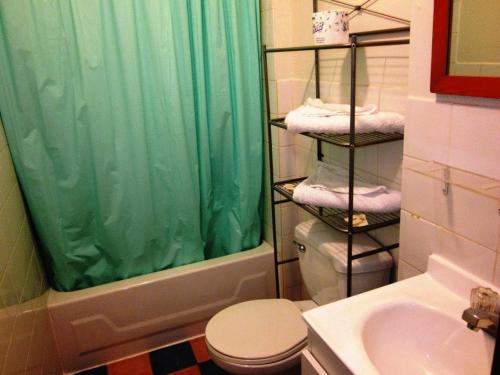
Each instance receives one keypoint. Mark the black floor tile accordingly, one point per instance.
(95, 371)
(210, 368)
(172, 358)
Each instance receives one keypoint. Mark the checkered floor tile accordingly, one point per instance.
(187, 358)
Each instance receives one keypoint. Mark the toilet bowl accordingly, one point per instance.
(267, 336)
(259, 336)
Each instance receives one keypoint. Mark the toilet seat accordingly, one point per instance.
(257, 333)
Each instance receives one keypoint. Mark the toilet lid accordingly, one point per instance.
(257, 329)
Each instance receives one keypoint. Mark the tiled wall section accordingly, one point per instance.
(382, 80)
(26, 344)
(462, 132)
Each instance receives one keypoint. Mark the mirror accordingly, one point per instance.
(466, 48)
(474, 38)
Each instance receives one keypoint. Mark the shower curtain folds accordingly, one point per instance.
(135, 129)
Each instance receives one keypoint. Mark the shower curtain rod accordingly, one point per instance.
(360, 8)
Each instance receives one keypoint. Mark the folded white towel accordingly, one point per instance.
(334, 109)
(318, 117)
(336, 180)
(328, 187)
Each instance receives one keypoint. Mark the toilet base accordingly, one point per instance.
(288, 366)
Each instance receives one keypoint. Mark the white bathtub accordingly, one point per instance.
(108, 322)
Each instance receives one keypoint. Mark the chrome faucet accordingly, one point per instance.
(483, 313)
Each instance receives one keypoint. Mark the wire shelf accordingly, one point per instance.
(337, 218)
(342, 140)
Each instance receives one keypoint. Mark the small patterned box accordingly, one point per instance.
(330, 27)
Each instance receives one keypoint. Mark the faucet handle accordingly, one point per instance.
(483, 298)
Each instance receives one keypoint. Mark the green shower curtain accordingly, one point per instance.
(135, 128)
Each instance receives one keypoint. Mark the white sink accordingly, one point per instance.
(410, 327)
(411, 339)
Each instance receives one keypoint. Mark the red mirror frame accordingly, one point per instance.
(441, 82)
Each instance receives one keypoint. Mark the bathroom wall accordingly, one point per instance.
(382, 80)
(459, 131)
(26, 343)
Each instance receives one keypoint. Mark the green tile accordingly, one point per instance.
(3, 140)
(31, 284)
(21, 257)
(7, 175)
(8, 292)
(12, 214)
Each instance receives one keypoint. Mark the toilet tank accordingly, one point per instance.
(323, 262)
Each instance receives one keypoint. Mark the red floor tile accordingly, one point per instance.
(194, 370)
(139, 365)
(200, 349)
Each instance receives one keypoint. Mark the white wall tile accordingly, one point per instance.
(469, 214)
(286, 162)
(465, 253)
(305, 160)
(282, 21)
(336, 155)
(366, 159)
(396, 68)
(303, 89)
(405, 271)
(427, 130)
(266, 21)
(307, 143)
(288, 218)
(417, 193)
(291, 274)
(420, 49)
(282, 137)
(288, 249)
(416, 240)
(394, 99)
(273, 104)
(390, 161)
(475, 134)
(285, 96)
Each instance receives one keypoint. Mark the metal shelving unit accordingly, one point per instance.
(341, 220)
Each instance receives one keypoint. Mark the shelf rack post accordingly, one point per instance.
(271, 170)
(319, 151)
(352, 149)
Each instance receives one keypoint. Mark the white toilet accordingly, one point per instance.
(267, 336)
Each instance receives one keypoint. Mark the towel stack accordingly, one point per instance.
(329, 187)
(319, 117)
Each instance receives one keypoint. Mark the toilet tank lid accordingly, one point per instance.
(318, 236)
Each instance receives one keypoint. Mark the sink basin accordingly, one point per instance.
(410, 327)
(411, 339)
